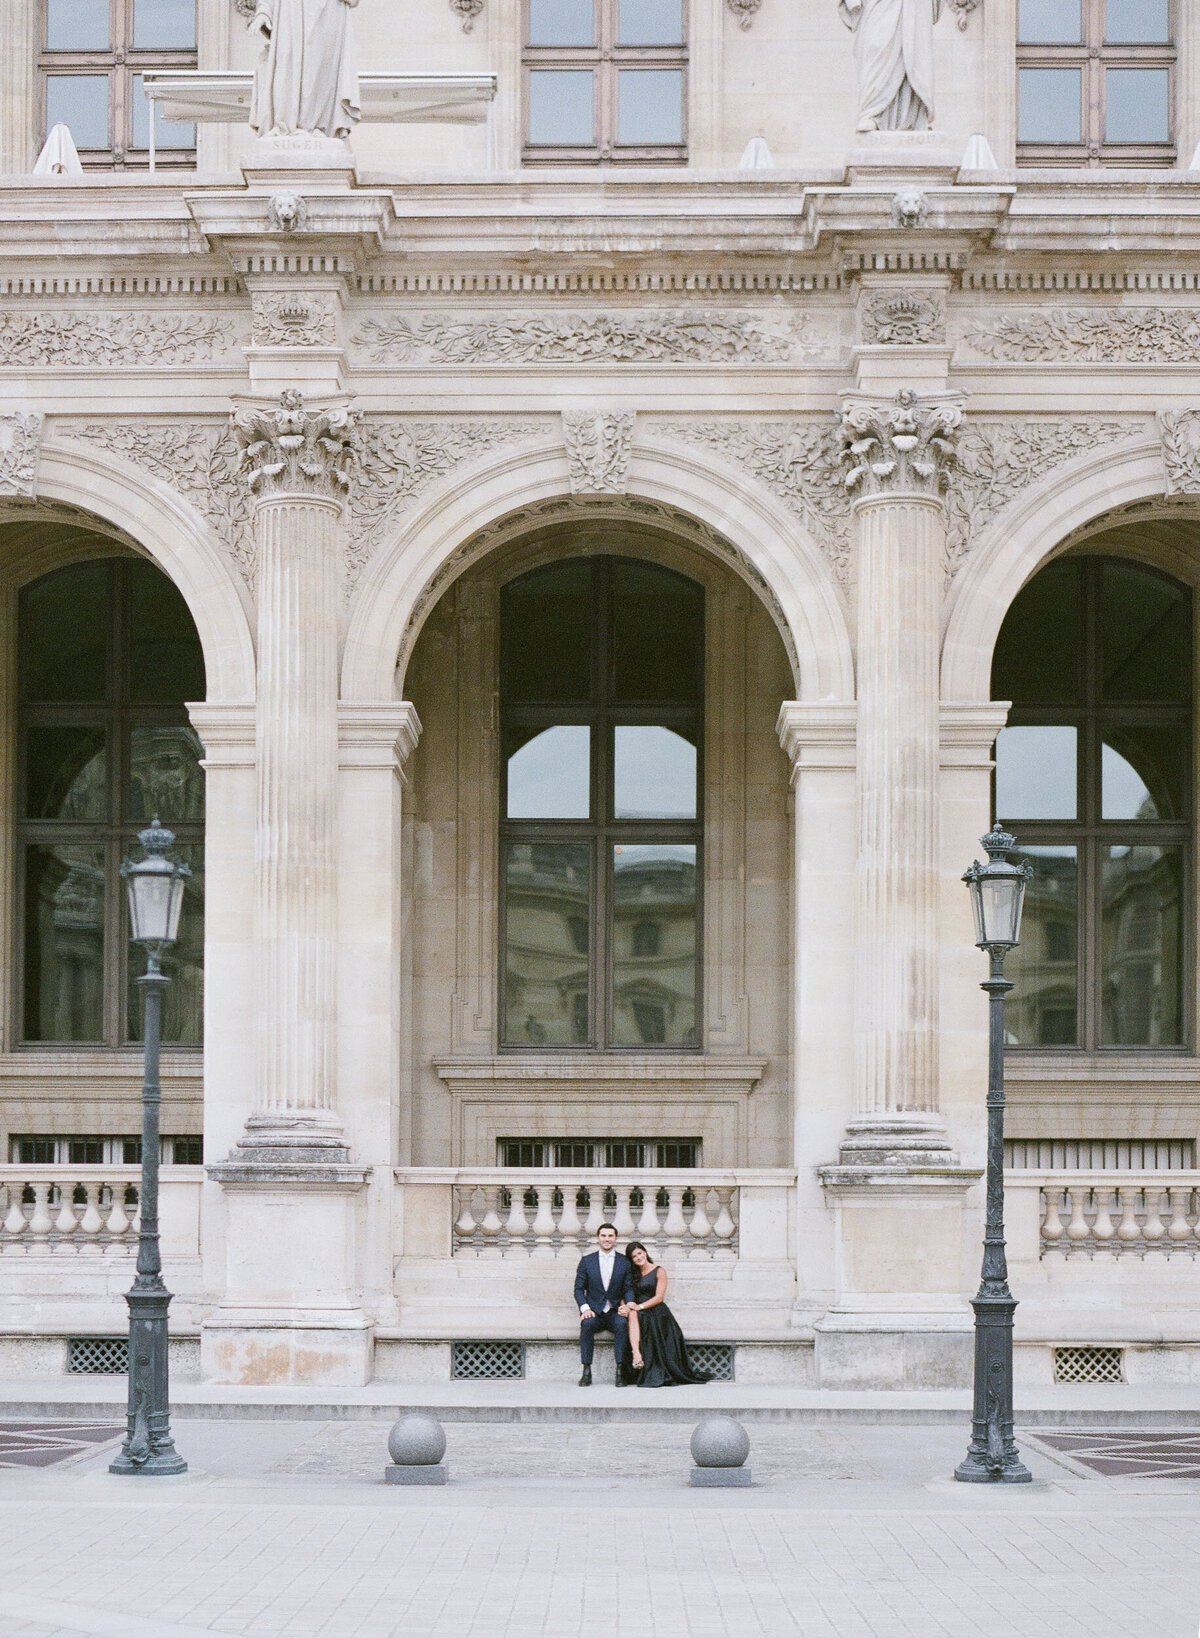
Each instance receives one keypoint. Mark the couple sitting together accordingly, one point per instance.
(624, 1295)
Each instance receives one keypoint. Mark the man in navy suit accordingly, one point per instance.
(603, 1287)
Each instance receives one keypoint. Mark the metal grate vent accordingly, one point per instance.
(486, 1361)
(1088, 1364)
(716, 1357)
(98, 1356)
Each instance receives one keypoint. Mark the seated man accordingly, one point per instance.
(603, 1286)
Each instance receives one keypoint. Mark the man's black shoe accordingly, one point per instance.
(620, 1381)
(585, 1381)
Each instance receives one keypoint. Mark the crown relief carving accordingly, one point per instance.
(294, 319)
(905, 320)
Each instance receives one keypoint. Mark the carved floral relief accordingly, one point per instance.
(599, 444)
(289, 449)
(905, 446)
(1179, 434)
(20, 447)
(115, 340)
(1111, 335)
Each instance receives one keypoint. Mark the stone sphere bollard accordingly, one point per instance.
(719, 1449)
(416, 1445)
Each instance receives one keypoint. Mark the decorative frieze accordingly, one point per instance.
(599, 444)
(114, 340)
(1179, 433)
(294, 319)
(901, 447)
(909, 319)
(292, 450)
(611, 337)
(1103, 335)
(20, 446)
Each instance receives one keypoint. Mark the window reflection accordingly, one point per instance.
(165, 776)
(66, 773)
(549, 772)
(1036, 773)
(1042, 1009)
(1144, 772)
(654, 945)
(1141, 899)
(547, 911)
(654, 774)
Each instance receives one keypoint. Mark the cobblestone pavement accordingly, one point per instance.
(286, 1528)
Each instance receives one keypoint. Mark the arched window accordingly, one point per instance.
(602, 695)
(108, 654)
(1094, 773)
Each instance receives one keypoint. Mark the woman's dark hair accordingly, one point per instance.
(636, 1245)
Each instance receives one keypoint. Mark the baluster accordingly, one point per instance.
(118, 1220)
(1179, 1228)
(490, 1227)
(623, 1217)
(700, 1228)
(568, 1218)
(41, 1222)
(14, 1222)
(1102, 1227)
(92, 1222)
(66, 1222)
(724, 1228)
(647, 1223)
(674, 1229)
(1129, 1229)
(465, 1226)
(543, 1222)
(517, 1224)
(1154, 1228)
(1077, 1228)
(1053, 1227)
(595, 1213)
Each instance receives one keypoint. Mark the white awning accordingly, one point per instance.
(396, 99)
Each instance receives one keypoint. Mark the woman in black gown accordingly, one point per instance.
(659, 1351)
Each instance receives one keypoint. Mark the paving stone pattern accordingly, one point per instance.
(1117, 1454)
(47, 1444)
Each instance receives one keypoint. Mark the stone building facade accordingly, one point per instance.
(592, 557)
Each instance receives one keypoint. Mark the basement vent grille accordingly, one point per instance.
(98, 1356)
(487, 1361)
(716, 1357)
(1088, 1365)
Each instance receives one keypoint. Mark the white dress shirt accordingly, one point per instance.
(607, 1259)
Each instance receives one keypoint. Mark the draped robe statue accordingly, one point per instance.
(893, 43)
(307, 80)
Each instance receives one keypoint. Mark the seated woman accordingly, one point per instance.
(659, 1351)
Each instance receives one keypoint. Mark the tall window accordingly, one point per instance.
(1094, 82)
(602, 690)
(107, 656)
(1094, 773)
(94, 53)
(605, 81)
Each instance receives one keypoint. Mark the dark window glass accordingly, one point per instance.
(66, 909)
(1145, 771)
(546, 643)
(1038, 659)
(183, 963)
(1145, 636)
(64, 647)
(658, 621)
(66, 772)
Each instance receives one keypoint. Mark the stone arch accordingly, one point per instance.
(1094, 493)
(99, 490)
(701, 499)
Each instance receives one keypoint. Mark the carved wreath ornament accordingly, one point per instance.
(292, 450)
(902, 447)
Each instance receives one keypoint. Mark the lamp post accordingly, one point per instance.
(997, 893)
(156, 886)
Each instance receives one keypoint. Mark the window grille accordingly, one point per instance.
(101, 1151)
(1099, 1155)
(487, 1361)
(1088, 1364)
(716, 1357)
(666, 1154)
(98, 1356)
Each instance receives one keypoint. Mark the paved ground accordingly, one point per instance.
(851, 1531)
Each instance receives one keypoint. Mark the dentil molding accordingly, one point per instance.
(20, 448)
(599, 444)
(291, 450)
(903, 446)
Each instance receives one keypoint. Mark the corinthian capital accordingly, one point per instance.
(904, 446)
(292, 450)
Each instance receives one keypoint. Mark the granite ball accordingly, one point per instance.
(719, 1441)
(417, 1441)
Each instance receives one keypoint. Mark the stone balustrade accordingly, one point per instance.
(91, 1210)
(1111, 1214)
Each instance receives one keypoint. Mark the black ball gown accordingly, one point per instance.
(664, 1351)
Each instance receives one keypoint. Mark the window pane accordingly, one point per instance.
(168, 133)
(658, 636)
(549, 772)
(168, 25)
(1048, 104)
(1144, 772)
(1141, 891)
(1137, 22)
(64, 943)
(1036, 773)
(562, 22)
(654, 945)
(650, 22)
(80, 102)
(654, 774)
(66, 773)
(547, 921)
(1037, 658)
(1137, 105)
(166, 663)
(1044, 22)
(183, 963)
(1042, 1008)
(165, 776)
(546, 619)
(77, 25)
(560, 107)
(649, 105)
(1145, 636)
(64, 635)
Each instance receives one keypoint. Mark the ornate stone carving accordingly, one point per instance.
(20, 446)
(400, 457)
(910, 208)
(1150, 335)
(291, 450)
(198, 459)
(674, 337)
(287, 212)
(902, 447)
(116, 340)
(294, 319)
(468, 10)
(744, 10)
(245, 8)
(599, 444)
(905, 320)
(962, 10)
(1179, 433)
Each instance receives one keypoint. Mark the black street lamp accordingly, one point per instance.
(156, 886)
(997, 893)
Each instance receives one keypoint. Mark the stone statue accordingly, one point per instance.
(893, 43)
(307, 82)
